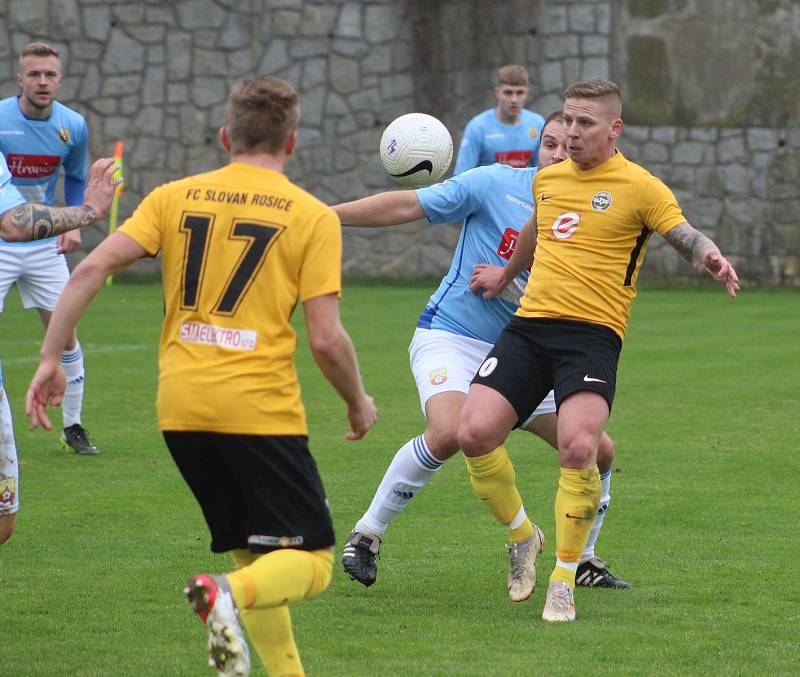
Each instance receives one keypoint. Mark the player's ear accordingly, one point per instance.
(224, 140)
(290, 143)
(616, 128)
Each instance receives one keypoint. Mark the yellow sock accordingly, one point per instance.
(280, 577)
(577, 500)
(493, 479)
(270, 631)
(262, 586)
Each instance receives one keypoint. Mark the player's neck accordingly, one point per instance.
(264, 160)
(506, 119)
(32, 112)
(596, 162)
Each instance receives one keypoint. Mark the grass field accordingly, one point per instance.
(704, 517)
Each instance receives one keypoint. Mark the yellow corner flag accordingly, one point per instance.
(119, 149)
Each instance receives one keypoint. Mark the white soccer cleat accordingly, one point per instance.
(211, 599)
(560, 604)
(522, 565)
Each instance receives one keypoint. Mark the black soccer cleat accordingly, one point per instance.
(76, 438)
(359, 557)
(594, 573)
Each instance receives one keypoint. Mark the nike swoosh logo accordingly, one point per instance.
(546, 197)
(589, 379)
(425, 164)
(576, 517)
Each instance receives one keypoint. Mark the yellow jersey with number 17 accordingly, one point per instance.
(592, 231)
(240, 246)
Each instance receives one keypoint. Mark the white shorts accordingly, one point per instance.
(443, 362)
(40, 273)
(9, 467)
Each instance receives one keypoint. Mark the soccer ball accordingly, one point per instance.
(416, 149)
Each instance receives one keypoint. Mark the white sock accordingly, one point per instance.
(411, 470)
(72, 363)
(605, 499)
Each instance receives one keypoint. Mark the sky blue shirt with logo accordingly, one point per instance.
(486, 140)
(36, 149)
(494, 202)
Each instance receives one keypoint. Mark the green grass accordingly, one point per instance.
(703, 519)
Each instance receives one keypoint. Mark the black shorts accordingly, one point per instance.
(257, 492)
(533, 356)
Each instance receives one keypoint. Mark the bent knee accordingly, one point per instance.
(475, 440)
(442, 441)
(578, 452)
(605, 452)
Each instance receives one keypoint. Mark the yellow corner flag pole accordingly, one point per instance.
(112, 214)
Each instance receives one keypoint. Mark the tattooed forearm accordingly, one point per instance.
(691, 244)
(37, 221)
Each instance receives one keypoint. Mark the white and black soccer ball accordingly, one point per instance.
(416, 149)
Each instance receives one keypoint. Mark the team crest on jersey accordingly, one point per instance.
(64, 135)
(438, 376)
(601, 201)
(565, 225)
(8, 491)
(533, 132)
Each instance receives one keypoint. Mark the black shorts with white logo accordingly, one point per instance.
(535, 355)
(257, 492)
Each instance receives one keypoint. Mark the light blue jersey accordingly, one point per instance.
(10, 197)
(494, 202)
(486, 140)
(36, 149)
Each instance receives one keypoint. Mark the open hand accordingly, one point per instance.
(46, 389)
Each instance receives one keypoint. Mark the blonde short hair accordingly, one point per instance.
(594, 88)
(38, 49)
(261, 114)
(512, 74)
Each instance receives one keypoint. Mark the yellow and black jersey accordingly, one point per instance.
(592, 231)
(240, 246)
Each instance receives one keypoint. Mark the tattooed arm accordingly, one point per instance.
(703, 254)
(38, 221)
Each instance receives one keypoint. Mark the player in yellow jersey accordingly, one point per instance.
(594, 214)
(240, 246)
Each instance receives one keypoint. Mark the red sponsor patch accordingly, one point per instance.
(514, 158)
(507, 244)
(24, 166)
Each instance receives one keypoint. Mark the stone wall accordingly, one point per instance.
(156, 74)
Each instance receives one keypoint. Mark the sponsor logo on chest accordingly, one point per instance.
(566, 224)
(514, 158)
(25, 166)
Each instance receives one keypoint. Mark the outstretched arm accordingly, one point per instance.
(48, 383)
(494, 279)
(37, 221)
(383, 209)
(701, 252)
(336, 358)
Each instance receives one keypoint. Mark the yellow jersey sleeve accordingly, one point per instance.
(660, 211)
(144, 225)
(322, 264)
